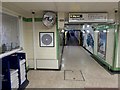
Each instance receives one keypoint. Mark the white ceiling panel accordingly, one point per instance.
(26, 8)
(60, 0)
(87, 7)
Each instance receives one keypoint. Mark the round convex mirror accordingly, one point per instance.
(49, 19)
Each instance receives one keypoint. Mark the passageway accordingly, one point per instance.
(72, 39)
(76, 59)
(60, 44)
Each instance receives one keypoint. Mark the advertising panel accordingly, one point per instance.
(88, 39)
(102, 41)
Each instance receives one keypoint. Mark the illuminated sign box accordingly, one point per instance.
(88, 17)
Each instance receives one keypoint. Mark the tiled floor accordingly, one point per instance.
(75, 58)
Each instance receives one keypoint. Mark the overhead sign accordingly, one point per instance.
(88, 17)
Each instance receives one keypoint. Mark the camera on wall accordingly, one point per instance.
(116, 10)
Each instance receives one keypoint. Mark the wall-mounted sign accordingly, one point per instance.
(61, 20)
(88, 17)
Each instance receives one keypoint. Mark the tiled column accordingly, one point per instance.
(95, 42)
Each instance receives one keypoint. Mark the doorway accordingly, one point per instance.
(72, 37)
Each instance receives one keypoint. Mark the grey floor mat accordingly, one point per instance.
(73, 75)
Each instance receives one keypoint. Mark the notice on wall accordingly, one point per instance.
(102, 41)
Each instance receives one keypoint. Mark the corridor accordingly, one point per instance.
(60, 44)
(72, 40)
(76, 59)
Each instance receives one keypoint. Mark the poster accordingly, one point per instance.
(102, 41)
(88, 39)
(90, 42)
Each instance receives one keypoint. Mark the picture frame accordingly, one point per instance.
(46, 39)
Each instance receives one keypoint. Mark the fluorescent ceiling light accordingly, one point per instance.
(104, 31)
(96, 31)
(88, 26)
(83, 31)
(88, 31)
(62, 31)
(83, 26)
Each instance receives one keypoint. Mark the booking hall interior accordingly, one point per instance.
(59, 44)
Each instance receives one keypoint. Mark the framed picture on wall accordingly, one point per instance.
(46, 39)
(102, 43)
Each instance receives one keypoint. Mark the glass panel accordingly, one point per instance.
(10, 33)
(106, 40)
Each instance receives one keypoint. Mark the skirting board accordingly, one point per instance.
(47, 64)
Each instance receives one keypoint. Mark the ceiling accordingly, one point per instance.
(25, 8)
(60, 0)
